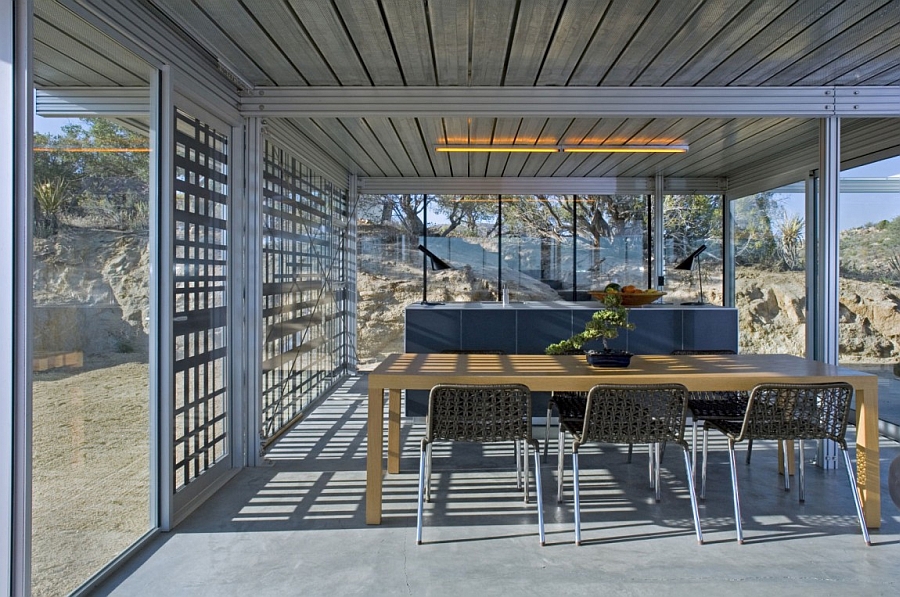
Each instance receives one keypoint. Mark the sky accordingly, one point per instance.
(858, 209)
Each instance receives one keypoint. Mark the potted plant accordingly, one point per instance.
(605, 325)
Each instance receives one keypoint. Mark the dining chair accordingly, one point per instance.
(481, 414)
(705, 406)
(651, 414)
(788, 412)
(569, 407)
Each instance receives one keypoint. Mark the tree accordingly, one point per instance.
(102, 167)
(754, 240)
(690, 220)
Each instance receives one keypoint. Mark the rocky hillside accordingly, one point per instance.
(771, 307)
(771, 312)
(91, 294)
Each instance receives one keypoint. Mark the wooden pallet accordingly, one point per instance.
(54, 360)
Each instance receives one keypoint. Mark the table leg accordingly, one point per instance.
(867, 465)
(374, 455)
(394, 403)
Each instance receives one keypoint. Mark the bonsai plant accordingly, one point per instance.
(603, 324)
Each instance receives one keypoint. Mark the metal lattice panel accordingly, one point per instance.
(304, 275)
(200, 325)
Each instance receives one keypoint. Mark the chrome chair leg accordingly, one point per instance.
(428, 473)
(734, 490)
(630, 450)
(694, 447)
(577, 498)
(518, 464)
(856, 500)
(693, 492)
(657, 457)
(547, 433)
(560, 461)
(422, 459)
(703, 470)
(785, 463)
(537, 489)
(801, 482)
(525, 467)
(650, 467)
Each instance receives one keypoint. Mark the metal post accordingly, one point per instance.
(826, 263)
(659, 266)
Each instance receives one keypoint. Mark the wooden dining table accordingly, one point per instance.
(571, 373)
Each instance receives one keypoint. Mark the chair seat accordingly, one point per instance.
(717, 405)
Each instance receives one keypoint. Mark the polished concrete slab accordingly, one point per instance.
(297, 527)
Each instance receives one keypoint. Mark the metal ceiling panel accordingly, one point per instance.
(408, 27)
(691, 39)
(280, 23)
(822, 40)
(620, 22)
(200, 25)
(418, 152)
(534, 30)
(69, 52)
(492, 26)
(367, 34)
(746, 25)
(385, 134)
(375, 83)
(449, 24)
(576, 28)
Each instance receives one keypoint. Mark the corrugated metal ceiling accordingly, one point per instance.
(565, 43)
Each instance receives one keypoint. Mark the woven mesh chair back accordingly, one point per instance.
(635, 414)
(798, 411)
(479, 413)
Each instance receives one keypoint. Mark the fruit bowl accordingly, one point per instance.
(630, 299)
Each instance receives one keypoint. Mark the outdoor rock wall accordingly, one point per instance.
(91, 292)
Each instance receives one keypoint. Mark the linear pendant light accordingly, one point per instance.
(561, 148)
(496, 148)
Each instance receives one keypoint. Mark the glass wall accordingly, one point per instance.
(770, 278)
(91, 326)
(691, 222)
(543, 247)
(869, 287)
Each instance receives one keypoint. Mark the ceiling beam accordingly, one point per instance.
(84, 102)
(571, 101)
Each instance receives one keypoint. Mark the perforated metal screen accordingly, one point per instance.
(304, 287)
(201, 280)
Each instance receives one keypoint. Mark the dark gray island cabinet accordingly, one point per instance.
(529, 327)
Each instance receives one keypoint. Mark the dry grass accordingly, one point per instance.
(91, 468)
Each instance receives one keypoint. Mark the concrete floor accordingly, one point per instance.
(297, 527)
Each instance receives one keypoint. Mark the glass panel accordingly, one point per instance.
(201, 283)
(389, 271)
(537, 246)
(304, 281)
(691, 221)
(869, 335)
(91, 324)
(770, 278)
(613, 242)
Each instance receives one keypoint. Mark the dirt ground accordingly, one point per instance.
(91, 468)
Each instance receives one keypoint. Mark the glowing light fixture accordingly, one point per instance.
(496, 149)
(624, 148)
(561, 148)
